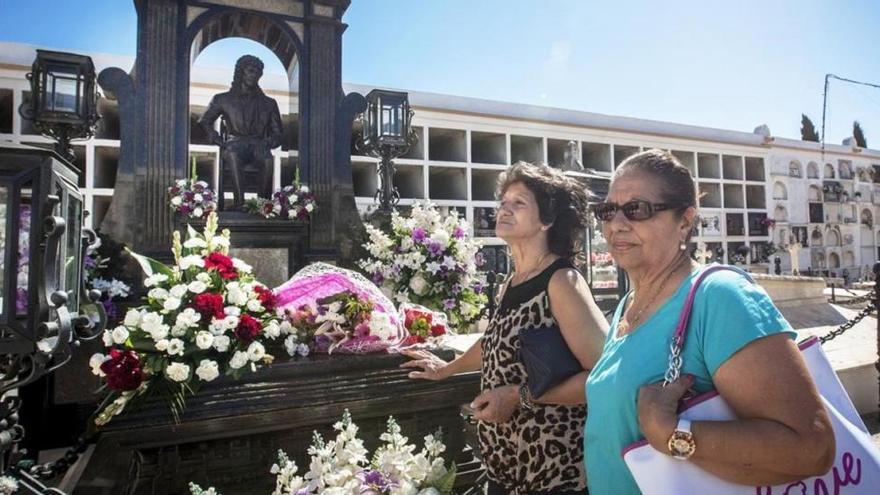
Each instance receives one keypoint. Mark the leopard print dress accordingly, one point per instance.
(539, 450)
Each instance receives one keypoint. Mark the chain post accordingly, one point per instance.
(877, 305)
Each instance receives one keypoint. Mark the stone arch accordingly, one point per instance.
(812, 170)
(832, 238)
(779, 190)
(844, 170)
(780, 213)
(864, 175)
(814, 194)
(816, 238)
(849, 259)
(833, 260)
(829, 171)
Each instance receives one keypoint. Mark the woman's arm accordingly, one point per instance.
(582, 326)
(784, 433)
(434, 368)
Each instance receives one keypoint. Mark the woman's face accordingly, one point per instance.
(643, 244)
(517, 216)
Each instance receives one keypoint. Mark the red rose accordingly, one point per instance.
(209, 304)
(413, 340)
(266, 297)
(223, 265)
(123, 370)
(438, 330)
(248, 328)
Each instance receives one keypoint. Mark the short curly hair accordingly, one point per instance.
(563, 203)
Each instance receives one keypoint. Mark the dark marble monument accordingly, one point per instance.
(250, 129)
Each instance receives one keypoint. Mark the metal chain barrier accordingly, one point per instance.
(849, 324)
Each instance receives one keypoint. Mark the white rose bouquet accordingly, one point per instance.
(204, 317)
(428, 259)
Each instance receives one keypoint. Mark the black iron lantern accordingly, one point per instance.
(44, 305)
(387, 134)
(64, 98)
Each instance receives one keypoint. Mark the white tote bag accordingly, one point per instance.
(856, 468)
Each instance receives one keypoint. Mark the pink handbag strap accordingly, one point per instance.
(680, 334)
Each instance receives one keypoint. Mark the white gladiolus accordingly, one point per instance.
(96, 361)
(178, 291)
(208, 370)
(204, 340)
(132, 318)
(241, 265)
(197, 287)
(178, 372)
(221, 343)
(158, 294)
(120, 334)
(239, 359)
(175, 347)
(154, 279)
(256, 351)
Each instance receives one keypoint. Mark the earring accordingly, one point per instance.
(682, 246)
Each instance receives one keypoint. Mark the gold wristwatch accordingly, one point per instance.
(681, 443)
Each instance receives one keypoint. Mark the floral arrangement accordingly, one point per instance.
(24, 250)
(343, 322)
(428, 259)
(293, 202)
(422, 324)
(341, 466)
(97, 277)
(204, 317)
(192, 197)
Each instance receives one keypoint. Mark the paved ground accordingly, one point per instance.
(872, 421)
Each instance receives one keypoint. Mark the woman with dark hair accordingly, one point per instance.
(532, 444)
(737, 344)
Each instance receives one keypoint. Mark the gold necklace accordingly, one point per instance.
(533, 270)
(634, 321)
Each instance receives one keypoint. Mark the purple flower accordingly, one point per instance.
(478, 287)
(448, 303)
(110, 309)
(378, 278)
(90, 262)
(456, 289)
(375, 482)
(458, 233)
(362, 330)
(435, 249)
(418, 235)
(322, 343)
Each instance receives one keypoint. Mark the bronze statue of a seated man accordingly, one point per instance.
(251, 125)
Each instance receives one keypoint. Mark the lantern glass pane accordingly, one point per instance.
(72, 261)
(4, 199)
(63, 93)
(24, 252)
(390, 119)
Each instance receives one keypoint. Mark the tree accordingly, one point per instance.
(859, 135)
(808, 130)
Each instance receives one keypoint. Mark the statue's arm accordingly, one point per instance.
(206, 121)
(276, 131)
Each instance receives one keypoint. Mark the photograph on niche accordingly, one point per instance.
(711, 224)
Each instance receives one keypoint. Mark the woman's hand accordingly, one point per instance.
(431, 367)
(496, 405)
(658, 410)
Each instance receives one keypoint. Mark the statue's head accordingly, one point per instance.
(247, 63)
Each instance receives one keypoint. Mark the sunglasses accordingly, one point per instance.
(635, 210)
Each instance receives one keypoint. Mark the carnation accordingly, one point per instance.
(123, 370)
(248, 328)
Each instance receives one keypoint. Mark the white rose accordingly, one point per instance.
(132, 318)
(256, 351)
(160, 332)
(178, 291)
(178, 372)
(171, 304)
(189, 261)
(162, 345)
(310, 207)
(175, 347)
(197, 287)
(188, 318)
(290, 344)
(96, 361)
(254, 306)
(157, 293)
(221, 343)
(230, 322)
(107, 338)
(238, 360)
(198, 197)
(120, 335)
(273, 330)
(418, 285)
(150, 321)
(208, 370)
(241, 266)
(176, 200)
(198, 212)
(195, 242)
(204, 340)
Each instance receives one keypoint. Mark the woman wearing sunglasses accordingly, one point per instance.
(533, 445)
(738, 344)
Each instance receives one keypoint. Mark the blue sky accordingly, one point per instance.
(730, 65)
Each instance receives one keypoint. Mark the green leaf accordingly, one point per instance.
(445, 483)
(149, 265)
